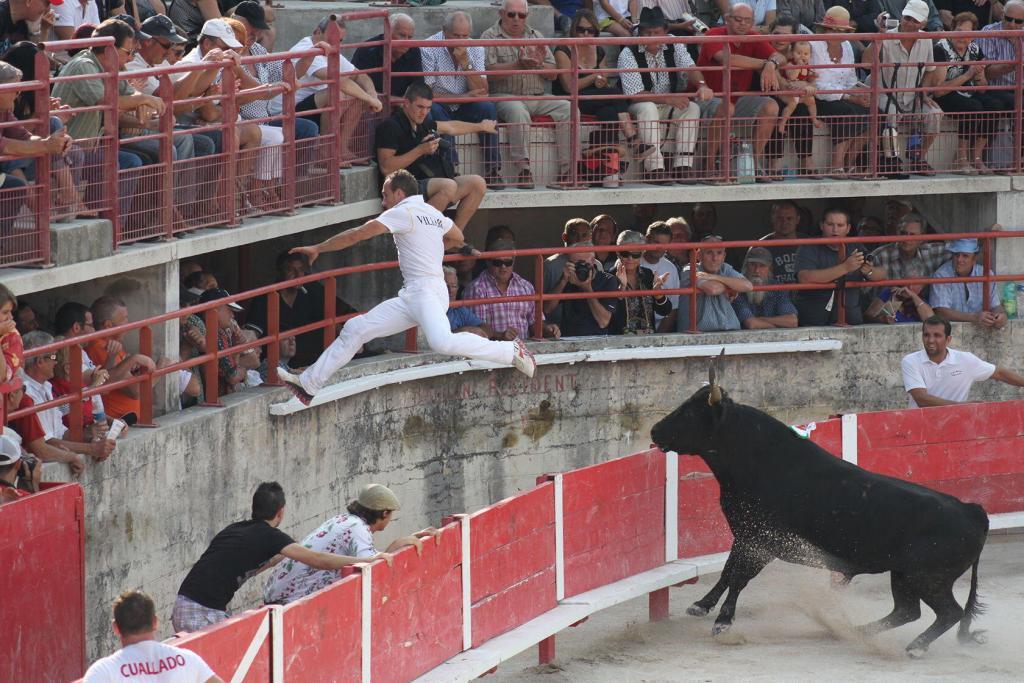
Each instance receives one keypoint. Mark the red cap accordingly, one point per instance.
(56, 2)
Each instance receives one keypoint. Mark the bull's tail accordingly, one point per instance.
(972, 609)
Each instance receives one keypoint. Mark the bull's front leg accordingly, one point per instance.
(747, 565)
(705, 604)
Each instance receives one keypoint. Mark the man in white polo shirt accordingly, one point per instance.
(422, 233)
(142, 657)
(941, 376)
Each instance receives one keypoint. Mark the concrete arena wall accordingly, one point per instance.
(449, 444)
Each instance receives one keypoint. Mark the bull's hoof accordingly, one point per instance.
(696, 610)
(916, 652)
(973, 638)
(723, 635)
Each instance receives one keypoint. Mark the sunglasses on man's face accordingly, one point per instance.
(1014, 20)
(516, 15)
(502, 263)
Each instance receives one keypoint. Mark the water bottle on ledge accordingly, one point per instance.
(744, 155)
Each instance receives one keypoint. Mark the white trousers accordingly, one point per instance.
(268, 156)
(422, 303)
(682, 132)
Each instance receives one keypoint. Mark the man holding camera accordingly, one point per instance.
(585, 317)
(819, 263)
(410, 139)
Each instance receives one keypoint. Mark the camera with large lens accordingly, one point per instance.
(582, 270)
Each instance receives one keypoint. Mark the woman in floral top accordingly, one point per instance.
(349, 534)
(636, 315)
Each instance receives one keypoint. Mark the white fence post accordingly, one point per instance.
(849, 425)
(559, 542)
(367, 599)
(671, 506)
(467, 585)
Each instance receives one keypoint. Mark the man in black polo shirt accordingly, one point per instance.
(241, 550)
(410, 140)
(586, 317)
(299, 306)
(403, 59)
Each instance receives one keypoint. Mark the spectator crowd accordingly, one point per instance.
(658, 106)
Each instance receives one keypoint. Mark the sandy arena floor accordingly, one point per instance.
(796, 629)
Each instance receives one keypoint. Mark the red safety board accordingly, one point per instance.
(829, 435)
(613, 520)
(42, 575)
(513, 561)
(323, 635)
(702, 526)
(972, 451)
(417, 609)
(224, 645)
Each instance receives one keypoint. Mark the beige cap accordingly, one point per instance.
(378, 497)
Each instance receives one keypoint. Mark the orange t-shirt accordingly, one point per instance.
(14, 352)
(115, 403)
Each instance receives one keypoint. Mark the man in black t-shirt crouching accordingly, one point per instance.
(241, 550)
(410, 139)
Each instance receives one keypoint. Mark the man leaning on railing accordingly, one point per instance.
(1004, 49)
(658, 98)
(964, 301)
(517, 113)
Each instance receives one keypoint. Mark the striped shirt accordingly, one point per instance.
(517, 84)
(440, 59)
(999, 49)
(930, 255)
(501, 316)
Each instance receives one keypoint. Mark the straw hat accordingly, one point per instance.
(837, 18)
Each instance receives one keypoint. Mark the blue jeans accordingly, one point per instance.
(471, 112)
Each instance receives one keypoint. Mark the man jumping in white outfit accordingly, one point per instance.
(422, 233)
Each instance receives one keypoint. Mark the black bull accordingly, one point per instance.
(785, 497)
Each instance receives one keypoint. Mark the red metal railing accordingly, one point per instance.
(208, 360)
(165, 198)
(718, 167)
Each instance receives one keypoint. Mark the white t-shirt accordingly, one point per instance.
(951, 379)
(50, 418)
(72, 13)
(151, 82)
(660, 268)
(319, 63)
(621, 7)
(418, 229)
(150, 661)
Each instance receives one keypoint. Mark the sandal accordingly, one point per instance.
(979, 165)
(639, 150)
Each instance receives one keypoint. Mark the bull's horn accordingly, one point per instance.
(716, 391)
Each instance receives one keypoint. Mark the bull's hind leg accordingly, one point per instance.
(947, 613)
(906, 606)
(747, 566)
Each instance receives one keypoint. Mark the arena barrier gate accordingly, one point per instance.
(42, 580)
(514, 574)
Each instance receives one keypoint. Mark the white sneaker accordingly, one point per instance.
(523, 360)
(294, 385)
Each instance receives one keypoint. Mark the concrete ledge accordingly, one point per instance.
(478, 661)
(1006, 523)
(351, 387)
(790, 189)
(80, 241)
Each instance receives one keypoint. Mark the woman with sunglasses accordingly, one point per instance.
(636, 314)
(584, 25)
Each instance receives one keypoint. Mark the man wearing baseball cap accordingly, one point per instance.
(758, 310)
(962, 301)
(907, 67)
(10, 465)
(346, 534)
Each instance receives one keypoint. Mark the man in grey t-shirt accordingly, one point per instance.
(718, 283)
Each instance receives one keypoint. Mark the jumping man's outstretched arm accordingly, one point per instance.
(343, 240)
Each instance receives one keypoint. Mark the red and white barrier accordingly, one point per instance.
(516, 573)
